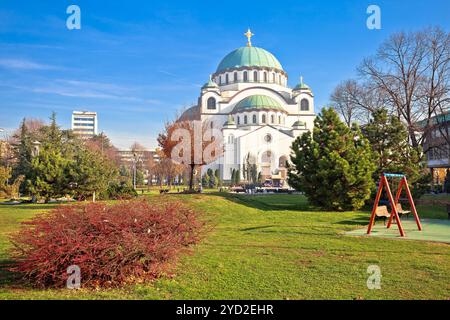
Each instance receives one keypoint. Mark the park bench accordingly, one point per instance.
(400, 210)
(382, 212)
(161, 191)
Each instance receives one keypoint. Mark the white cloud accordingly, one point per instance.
(23, 64)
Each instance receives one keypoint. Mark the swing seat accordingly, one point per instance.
(382, 212)
(400, 210)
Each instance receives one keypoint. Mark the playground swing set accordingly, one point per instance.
(396, 208)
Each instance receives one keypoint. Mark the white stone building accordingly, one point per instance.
(259, 115)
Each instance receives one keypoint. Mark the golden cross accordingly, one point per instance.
(249, 36)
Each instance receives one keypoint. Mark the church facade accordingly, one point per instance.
(248, 99)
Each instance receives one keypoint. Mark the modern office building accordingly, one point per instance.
(85, 123)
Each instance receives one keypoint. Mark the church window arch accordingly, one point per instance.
(245, 119)
(245, 76)
(273, 77)
(279, 119)
(263, 118)
(254, 118)
(272, 118)
(238, 120)
(279, 79)
(304, 105)
(235, 77)
(255, 76)
(265, 76)
(211, 103)
(227, 78)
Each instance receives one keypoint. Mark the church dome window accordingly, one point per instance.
(255, 76)
(235, 77)
(268, 138)
(265, 76)
(211, 103)
(245, 76)
(279, 119)
(263, 118)
(304, 105)
(227, 79)
(272, 118)
(245, 119)
(238, 120)
(254, 118)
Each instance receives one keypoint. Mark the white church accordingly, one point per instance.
(260, 116)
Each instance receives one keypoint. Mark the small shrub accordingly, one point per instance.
(115, 244)
(120, 192)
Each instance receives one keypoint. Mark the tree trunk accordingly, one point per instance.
(191, 177)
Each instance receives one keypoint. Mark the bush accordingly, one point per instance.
(120, 192)
(116, 244)
(334, 165)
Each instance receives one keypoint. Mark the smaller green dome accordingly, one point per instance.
(210, 84)
(230, 121)
(299, 123)
(259, 102)
(302, 85)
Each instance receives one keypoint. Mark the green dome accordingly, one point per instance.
(249, 57)
(259, 102)
(299, 123)
(210, 84)
(301, 86)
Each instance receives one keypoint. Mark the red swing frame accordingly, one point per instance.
(394, 213)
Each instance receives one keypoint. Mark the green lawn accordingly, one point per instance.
(272, 247)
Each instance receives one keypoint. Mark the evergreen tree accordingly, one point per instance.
(23, 155)
(237, 177)
(389, 140)
(333, 166)
(233, 176)
(205, 180)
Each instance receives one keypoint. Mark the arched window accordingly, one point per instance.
(304, 105)
(211, 103)
(273, 77)
(279, 79)
(235, 77)
(265, 76)
(254, 118)
(226, 78)
(255, 76)
(263, 118)
(245, 76)
(245, 119)
(239, 120)
(279, 119)
(272, 118)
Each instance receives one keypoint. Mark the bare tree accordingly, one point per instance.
(397, 70)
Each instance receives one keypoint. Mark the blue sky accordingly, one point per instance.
(137, 62)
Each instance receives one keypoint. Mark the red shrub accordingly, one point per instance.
(112, 244)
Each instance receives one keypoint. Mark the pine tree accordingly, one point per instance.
(388, 137)
(333, 166)
(237, 177)
(233, 176)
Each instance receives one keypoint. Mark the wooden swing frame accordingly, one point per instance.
(393, 202)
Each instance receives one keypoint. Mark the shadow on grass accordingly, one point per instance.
(7, 277)
(270, 202)
(29, 206)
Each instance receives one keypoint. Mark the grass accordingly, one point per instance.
(271, 247)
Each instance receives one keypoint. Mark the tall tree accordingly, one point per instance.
(191, 143)
(333, 166)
